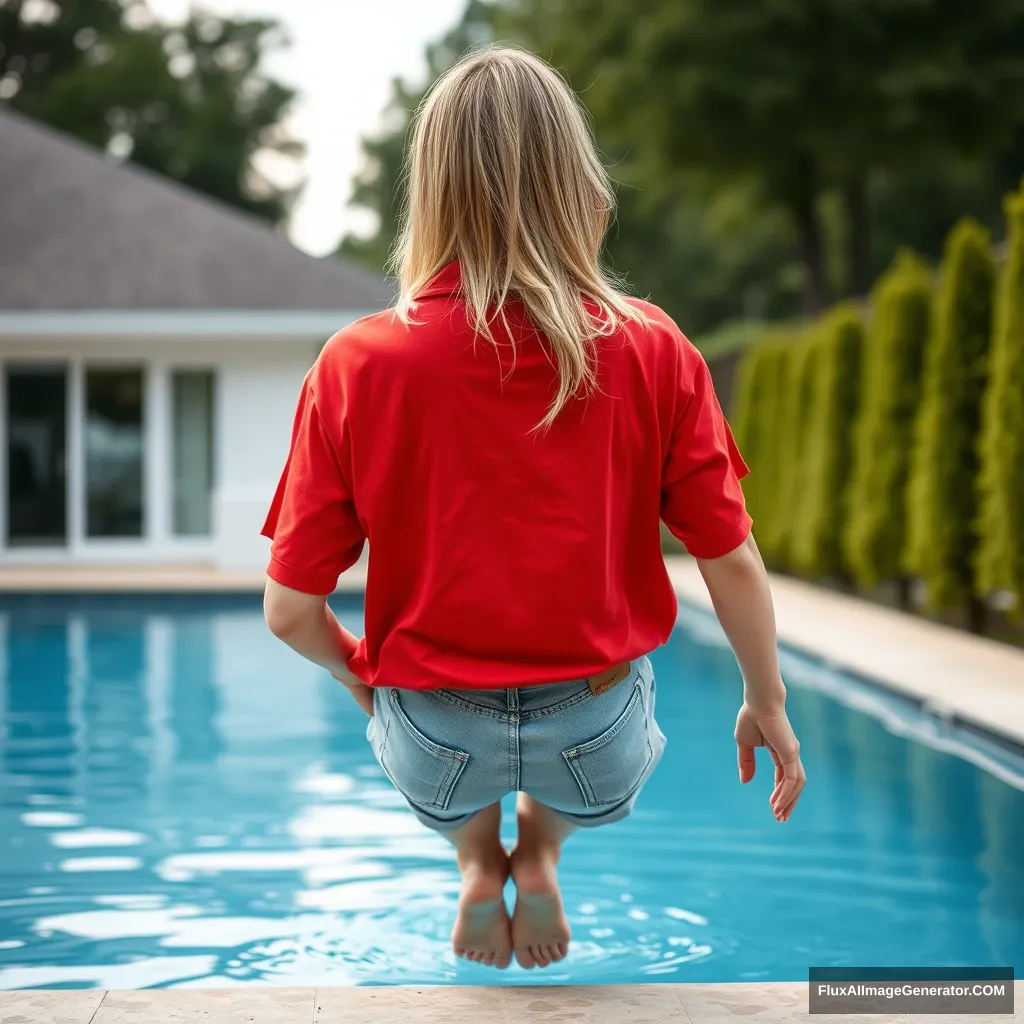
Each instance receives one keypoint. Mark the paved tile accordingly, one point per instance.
(449, 1005)
(779, 1003)
(616, 1004)
(37, 1007)
(199, 1006)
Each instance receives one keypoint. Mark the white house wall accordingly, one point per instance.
(255, 411)
(257, 385)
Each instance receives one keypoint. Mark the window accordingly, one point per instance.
(114, 452)
(192, 452)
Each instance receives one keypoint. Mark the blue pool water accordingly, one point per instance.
(184, 802)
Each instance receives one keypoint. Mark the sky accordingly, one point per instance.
(343, 57)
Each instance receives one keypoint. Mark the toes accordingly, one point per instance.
(460, 953)
(540, 954)
(553, 955)
(563, 951)
(525, 958)
(488, 961)
(504, 963)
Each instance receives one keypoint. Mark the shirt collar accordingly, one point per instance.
(446, 283)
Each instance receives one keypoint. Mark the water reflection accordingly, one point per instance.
(195, 705)
(183, 802)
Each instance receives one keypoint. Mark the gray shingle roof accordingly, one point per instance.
(77, 232)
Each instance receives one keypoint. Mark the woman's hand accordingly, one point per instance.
(771, 729)
(362, 693)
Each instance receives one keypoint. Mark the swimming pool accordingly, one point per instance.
(183, 802)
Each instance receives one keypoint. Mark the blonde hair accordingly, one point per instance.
(503, 175)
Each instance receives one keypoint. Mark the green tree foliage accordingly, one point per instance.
(804, 99)
(815, 547)
(1000, 558)
(942, 496)
(190, 101)
(792, 440)
(873, 537)
(755, 422)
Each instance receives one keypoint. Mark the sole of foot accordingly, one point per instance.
(483, 932)
(540, 930)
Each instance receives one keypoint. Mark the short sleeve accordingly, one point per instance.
(312, 522)
(701, 497)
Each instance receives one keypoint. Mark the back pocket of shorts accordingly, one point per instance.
(424, 771)
(610, 767)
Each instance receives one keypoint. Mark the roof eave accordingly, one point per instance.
(174, 325)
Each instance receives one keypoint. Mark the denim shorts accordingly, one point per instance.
(451, 753)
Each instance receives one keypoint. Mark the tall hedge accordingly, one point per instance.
(792, 441)
(942, 504)
(755, 426)
(1000, 557)
(873, 537)
(815, 548)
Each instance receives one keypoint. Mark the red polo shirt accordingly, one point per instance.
(498, 556)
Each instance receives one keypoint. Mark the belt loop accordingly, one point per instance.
(512, 699)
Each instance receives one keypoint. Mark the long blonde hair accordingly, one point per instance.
(503, 175)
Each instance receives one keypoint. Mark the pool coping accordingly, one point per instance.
(761, 1002)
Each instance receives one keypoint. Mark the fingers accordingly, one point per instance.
(788, 790)
(747, 764)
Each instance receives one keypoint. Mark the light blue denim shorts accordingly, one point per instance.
(451, 753)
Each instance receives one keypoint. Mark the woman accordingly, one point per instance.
(508, 439)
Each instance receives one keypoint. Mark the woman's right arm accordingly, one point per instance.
(738, 585)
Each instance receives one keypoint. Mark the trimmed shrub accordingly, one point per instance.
(755, 426)
(1000, 557)
(792, 442)
(873, 538)
(942, 502)
(815, 547)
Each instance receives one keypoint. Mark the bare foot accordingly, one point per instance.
(482, 931)
(540, 930)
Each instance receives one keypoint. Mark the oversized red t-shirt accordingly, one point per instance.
(500, 556)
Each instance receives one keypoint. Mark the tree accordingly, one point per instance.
(873, 537)
(1000, 556)
(793, 445)
(189, 101)
(808, 100)
(817, 531)
(942, 496)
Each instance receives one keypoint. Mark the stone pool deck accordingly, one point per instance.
(781, 1003)
(965, 678)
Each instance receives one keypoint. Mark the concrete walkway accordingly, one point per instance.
(635, 1004)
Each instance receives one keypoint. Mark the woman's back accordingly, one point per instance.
(502, 555)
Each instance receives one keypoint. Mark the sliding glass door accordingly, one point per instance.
(37, 405)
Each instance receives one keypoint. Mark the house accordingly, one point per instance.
(152, 347)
